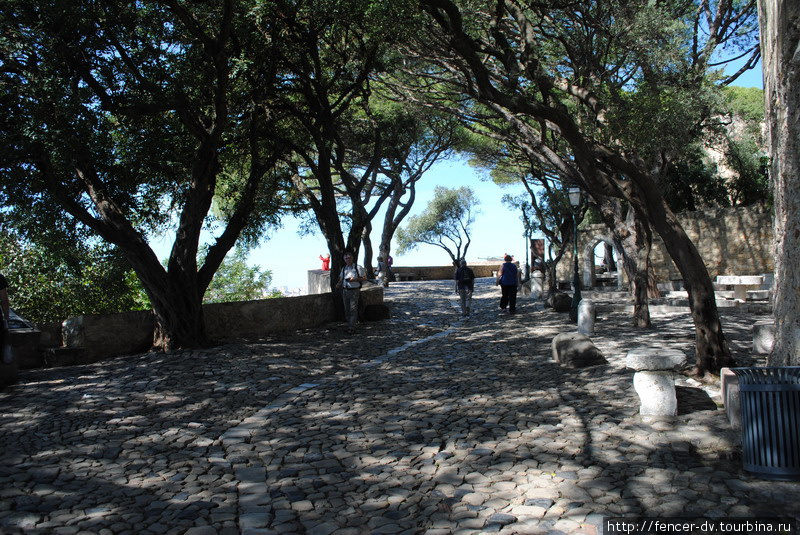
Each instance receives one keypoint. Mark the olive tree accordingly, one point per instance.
(624, 84)
(124, 118)
(445, 223)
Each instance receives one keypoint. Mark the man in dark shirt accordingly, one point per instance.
(465, 285)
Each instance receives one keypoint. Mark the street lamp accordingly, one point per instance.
(575, 201)
(527, 223)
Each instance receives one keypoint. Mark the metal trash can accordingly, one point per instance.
(770, 408)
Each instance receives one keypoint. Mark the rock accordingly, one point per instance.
(576, 350)
(201, 530)
(560, 302)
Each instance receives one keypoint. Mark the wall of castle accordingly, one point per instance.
(733, 241)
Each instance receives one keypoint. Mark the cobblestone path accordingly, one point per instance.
(424, 424)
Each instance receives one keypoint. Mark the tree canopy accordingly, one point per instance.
(129, 116)
(445, 223)
(135, 118)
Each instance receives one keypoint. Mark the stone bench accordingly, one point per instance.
(741, 283)
(654, 380)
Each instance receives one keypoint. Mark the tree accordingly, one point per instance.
(780, 40)
(549, 173)
(445, 223)
(625, 85)
(548, 213)
(745, 148)
(329, 50)
(415, 138)
(50, 282)
(128, 116)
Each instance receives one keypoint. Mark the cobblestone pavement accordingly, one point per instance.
(424, 424)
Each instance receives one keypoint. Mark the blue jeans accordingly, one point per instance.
(350, 298)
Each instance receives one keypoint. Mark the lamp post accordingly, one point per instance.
(527, 223)
(575, 201)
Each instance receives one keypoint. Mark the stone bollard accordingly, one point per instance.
(654, 379)
(537, 285)
(586, 316)
(763, 337)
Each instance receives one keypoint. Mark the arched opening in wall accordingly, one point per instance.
(601, 264)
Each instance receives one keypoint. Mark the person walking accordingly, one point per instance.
(465, 285)
(382, 274)
(508, 278)
(350, 279)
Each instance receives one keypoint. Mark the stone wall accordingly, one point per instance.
(734, 241)
(319, 281)
(107, 335)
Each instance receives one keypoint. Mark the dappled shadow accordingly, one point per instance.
(693, 399)
(448, 434)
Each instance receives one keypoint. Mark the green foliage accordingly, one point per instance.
(692, 182)
(745, 151)
(750, 183)
(747, 103)
(237, 281)
(445, 223)
(47, 284)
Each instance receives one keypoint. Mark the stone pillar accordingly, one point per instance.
(654, 379)
(763, 337)
(319, 281)
(537, 285)
(730, 397)
(586, 316)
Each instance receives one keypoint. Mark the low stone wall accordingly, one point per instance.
(252, 318)
(105, 335)
(429, 273)
(108, 335)
(319, 281)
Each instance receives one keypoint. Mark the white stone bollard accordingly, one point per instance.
(654, 379)
(586, 316)
(537, 285)
(763, 337)
(656, 391)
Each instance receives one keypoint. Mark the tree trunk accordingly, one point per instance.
(176, 298)
(641, 307)
(179, 321)
(712, 351)
(780, 41)
(608, 255)
(633, 238)
(367, 242)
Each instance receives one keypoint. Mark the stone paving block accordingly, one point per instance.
(451, 429)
